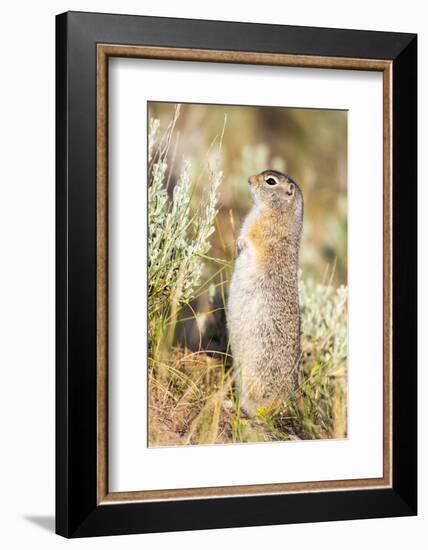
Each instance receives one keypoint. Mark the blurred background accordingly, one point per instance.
(310, 145)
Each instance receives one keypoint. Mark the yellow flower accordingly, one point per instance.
(261, 413)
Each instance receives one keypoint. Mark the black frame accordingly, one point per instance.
(77, 513)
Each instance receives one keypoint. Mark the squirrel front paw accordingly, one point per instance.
(241, 243)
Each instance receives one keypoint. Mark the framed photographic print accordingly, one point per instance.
(236, 274)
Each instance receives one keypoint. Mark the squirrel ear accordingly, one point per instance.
(241, 243)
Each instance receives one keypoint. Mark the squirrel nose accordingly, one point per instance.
(251, 180)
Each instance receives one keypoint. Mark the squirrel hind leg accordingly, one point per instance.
(249, 407)
(250, 401)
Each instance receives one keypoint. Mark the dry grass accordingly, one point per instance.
(191, 397)
(191, 401)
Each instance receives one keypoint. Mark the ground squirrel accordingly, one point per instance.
(263, 309)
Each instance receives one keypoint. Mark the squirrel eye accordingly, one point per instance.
(271, 181)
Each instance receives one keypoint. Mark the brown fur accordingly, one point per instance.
(264, 315)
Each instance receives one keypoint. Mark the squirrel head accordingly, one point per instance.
(277, 192)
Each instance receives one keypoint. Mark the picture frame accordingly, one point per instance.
(84, 44)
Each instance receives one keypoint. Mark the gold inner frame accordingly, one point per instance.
(104, 51)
